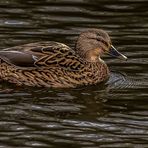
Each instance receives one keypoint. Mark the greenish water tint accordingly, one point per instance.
(112, 115)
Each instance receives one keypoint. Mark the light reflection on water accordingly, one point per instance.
(106, 116)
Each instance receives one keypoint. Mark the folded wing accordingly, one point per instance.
(43, 54)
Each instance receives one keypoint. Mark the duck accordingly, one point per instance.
(56, 65)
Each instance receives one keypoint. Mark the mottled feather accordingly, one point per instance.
(52, 64)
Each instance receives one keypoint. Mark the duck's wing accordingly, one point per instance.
(43, 54)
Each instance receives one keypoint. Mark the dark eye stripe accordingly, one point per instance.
(101, 40)
(104, 42)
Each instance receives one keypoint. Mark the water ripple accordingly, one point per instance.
(111, 115)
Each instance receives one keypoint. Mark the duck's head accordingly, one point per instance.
(93, 43)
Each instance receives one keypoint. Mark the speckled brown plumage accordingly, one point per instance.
(52, 64)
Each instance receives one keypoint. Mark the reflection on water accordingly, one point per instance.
(114, 115)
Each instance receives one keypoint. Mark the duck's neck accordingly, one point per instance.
(92, 56)
(85, 51)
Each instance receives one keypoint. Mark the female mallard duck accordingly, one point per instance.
(52, 64)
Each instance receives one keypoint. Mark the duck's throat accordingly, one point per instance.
(92, 55)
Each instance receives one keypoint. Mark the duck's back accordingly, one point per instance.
(48, 64)
(42, 54)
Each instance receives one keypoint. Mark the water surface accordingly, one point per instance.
(96, 116)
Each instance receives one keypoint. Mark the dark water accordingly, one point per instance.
(90, 117)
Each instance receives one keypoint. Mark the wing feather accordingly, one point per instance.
(47, 54)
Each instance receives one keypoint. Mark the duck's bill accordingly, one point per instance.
(113, 52)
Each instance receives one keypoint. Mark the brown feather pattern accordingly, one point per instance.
(54, 65)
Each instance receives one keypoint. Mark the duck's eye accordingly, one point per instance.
(99, 40)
